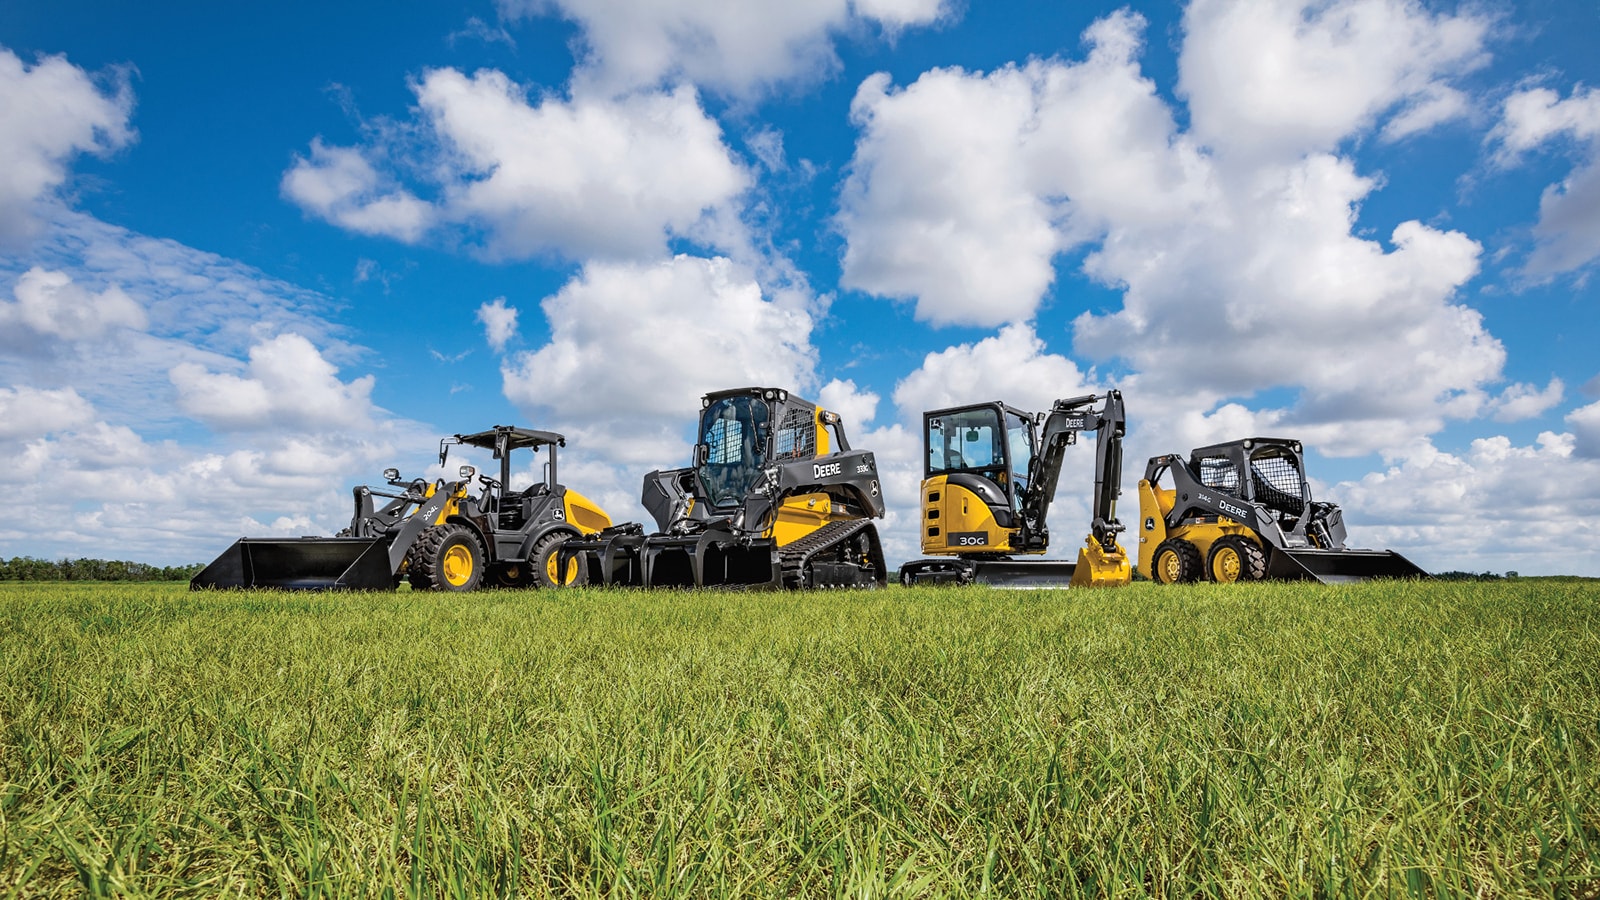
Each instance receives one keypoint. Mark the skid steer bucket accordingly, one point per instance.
(1335, 566)
(303, 564)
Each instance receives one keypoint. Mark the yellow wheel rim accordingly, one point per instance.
(457, 565)
(1225, 565)
(552, 568)
(1167, 567)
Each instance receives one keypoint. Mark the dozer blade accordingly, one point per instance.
(1338, 566)
(300, 564)
(1002, 573)
(1024, 573)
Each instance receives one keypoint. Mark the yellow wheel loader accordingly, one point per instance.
(989, 479)
(775, 498)
(1242, 511)
(437, 535)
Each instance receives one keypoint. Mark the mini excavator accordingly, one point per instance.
(775, 498)
(990, 476)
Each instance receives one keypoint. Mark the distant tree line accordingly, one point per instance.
(26, 568)
(1472, 576)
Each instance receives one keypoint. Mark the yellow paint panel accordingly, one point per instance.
(584, 515)
(800, 515)
(958, 511)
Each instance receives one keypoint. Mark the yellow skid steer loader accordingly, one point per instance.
(1242, 511)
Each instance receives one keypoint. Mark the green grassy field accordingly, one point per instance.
(1434, 739)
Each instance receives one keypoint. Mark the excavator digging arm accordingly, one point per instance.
(1066, 419)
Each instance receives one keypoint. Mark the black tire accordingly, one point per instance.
(1176, 562)
(545, 559)
(445, 558)
(1236, 558)
(511, 575)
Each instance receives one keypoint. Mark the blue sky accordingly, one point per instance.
(251, 256)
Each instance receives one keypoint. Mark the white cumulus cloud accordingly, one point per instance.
(49, 113)
(499, 322)
(27, 412)
(965, 186)
(584, 178)
(288, 384)
(1585, 422)
(339, 185)
(48, 304)
(1567, 235)
(1235, 244)
(1498, 506)
(733, 48)
(1276, 79)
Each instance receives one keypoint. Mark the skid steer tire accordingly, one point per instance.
(445, 558)
(545, 561)
(1176, 561)
(1236, 558)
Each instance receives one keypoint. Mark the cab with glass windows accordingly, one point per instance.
(774, 496)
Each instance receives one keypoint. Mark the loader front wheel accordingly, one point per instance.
(1176, 562)
(546, 560)
(1236, 558)
(445, 558)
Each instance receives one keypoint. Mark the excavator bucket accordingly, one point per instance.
(1097, 568)
(300, 564)
(1337, 566)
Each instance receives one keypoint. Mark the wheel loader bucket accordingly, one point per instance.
(1337, 566)
(300, 564)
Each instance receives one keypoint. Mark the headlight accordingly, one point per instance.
(391, 474)
(467, 472)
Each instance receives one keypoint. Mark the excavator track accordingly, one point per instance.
(833, 557)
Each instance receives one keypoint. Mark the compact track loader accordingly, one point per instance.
(990, 476)
(775, 498)
(438, 535)
(1242, 511)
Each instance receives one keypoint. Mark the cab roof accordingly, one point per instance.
(517, 438)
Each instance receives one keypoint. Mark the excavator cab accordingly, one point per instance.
(979, 456)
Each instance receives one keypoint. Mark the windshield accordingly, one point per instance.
(734, 433)
(969, 439)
